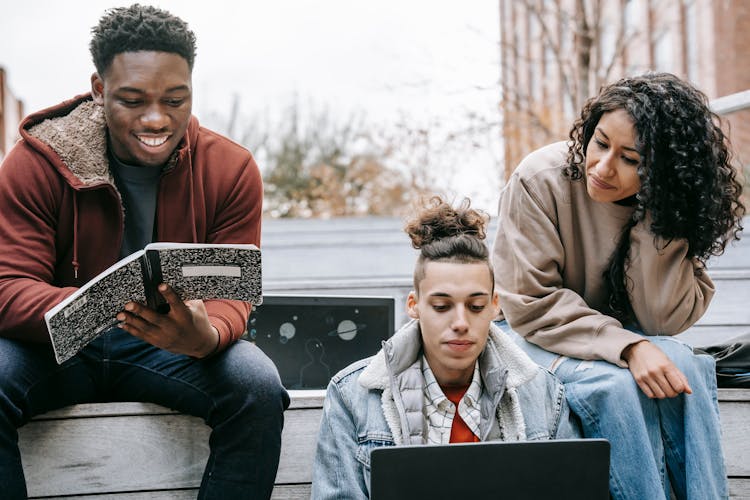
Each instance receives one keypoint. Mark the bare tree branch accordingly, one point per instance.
(585, 46)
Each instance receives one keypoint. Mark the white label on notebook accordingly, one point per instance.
(194, 271)
(72, 308)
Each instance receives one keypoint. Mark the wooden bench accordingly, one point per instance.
(734, 405)
(131, 451)
(144, 451)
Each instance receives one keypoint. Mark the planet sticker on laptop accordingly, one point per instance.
(347, 329)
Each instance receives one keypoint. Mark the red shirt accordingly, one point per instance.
(460, 432)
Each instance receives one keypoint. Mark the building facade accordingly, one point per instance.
(557, 53)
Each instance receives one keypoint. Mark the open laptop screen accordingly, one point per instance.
(310, 338)
(529, 470)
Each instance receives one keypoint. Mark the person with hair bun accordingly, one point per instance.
(600, 258)
(453, 364)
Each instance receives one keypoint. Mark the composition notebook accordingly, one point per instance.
(528, 470)
(193, 270)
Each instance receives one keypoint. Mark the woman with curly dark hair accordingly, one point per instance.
(600, 258)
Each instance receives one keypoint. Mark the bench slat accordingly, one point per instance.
(188, 494)
(735, 425)
(298, 443)
(85, 450)
(111, 454)
(280, 492)
(739, 488)
(299, 399)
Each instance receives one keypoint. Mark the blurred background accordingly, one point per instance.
(357, 108)
(348, 106)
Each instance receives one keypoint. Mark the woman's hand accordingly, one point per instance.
(654, 372)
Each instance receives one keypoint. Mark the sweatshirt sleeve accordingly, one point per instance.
(527, 257)
(28, 206)
(237, 221)
(670, 291)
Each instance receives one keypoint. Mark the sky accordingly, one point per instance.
(429, 62)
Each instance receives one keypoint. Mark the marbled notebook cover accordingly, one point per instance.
(195, 271)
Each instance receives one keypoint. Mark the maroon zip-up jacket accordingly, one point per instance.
(61, 216)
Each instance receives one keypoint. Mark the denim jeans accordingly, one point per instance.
(237, 392)
(655, 443)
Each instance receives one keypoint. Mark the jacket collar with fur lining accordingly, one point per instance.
(405, 346)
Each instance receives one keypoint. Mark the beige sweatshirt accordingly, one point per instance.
(554, 242)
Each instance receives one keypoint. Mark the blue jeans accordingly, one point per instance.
(655, 443)
(237, 392)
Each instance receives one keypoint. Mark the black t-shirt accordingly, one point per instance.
(139, 187)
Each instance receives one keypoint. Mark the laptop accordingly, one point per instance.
(528, 470)
(311, 337)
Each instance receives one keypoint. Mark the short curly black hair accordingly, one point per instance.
(139, 27)
(688, 185)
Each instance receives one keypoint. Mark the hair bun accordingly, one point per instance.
(438, 220)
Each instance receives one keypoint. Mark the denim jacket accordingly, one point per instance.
(378, 402)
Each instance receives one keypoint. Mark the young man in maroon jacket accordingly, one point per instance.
(95, 179)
